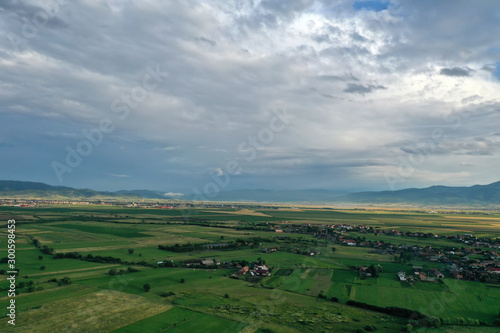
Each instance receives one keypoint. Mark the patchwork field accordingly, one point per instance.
(180, 298)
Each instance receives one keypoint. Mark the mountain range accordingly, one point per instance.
(477, 195)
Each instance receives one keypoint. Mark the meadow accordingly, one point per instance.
(181, 299)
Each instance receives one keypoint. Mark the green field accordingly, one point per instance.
(181, 298)
(182, 320)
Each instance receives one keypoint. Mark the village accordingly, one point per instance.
(476, 260)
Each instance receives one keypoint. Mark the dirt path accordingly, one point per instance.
(75, 270)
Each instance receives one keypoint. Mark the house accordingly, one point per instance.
(207, 262)
(417, 269)
(193, 263)
(363, 272)
(436, 273)
(313, 252)
(262, 270)
(402, 276)
(493, 270)
(241, 272)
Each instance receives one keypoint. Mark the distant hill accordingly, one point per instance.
(31, 190)
(278, 195)
(477, 195)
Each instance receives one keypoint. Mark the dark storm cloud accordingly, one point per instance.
(456, 71)
(354, 88)
(35, 15)
(346, 77)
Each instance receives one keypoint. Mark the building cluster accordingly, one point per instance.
(474, 259)
(433, 275)
(256, 270)
(203, 263)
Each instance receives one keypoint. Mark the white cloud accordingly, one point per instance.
(117, 175)
(173, 194)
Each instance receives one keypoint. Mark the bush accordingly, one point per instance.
(182, 280)
(335, 299)
(42, 268)
(370, 328)
(320, 295)
(266, 330)
(64, 281)
(226, 296)
(147, 287)
(167, 294)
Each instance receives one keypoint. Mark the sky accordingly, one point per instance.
(183, 96)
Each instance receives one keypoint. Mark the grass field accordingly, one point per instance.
(182, 298)
(182, 320)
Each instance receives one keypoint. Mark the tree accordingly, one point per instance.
(226, 296)
(112, 271)
(334, 249)
(132, 270)
(130, 251)
(147, 287)
(182, 280)
(64, 281)
(40, 257)
(373, 270)
(42, 268)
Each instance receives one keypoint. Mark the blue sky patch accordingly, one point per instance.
(496, 73)
(371, 5)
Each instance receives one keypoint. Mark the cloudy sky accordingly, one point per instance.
(296, 94)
